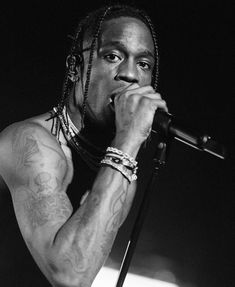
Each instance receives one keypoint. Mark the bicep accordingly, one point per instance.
(38, 186)
(40, 207)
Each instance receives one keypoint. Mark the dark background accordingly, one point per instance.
(187, 237)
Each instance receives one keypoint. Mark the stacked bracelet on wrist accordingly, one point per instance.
(122, 162)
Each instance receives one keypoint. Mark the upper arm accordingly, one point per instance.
(36, 174)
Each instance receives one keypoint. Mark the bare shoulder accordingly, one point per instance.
(26, 134)
(26, 146)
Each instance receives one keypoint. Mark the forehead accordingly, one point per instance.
(129, 31)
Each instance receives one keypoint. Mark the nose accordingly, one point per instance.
(127, 72)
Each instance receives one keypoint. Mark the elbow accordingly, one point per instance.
(65, 276)
(61, 277)
(65, 280)
(65, 268)
(62, 280)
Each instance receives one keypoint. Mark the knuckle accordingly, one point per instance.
(145, 101)
(152, 90)
(158, 96)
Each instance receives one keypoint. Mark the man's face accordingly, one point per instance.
(124, 55)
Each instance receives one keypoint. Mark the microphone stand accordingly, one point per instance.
(158, 162)
(167, 131)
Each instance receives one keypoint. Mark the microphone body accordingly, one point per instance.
(165, 124)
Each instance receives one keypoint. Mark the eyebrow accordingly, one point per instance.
(119, 44)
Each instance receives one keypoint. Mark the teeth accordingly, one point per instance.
(111, 99)
(111, 102)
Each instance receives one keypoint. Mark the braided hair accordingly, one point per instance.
(90, 27)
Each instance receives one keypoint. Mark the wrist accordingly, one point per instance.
(122, 162)
(130, 147)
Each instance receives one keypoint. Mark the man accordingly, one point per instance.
(71, 173)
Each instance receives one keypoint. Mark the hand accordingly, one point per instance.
(135, 107)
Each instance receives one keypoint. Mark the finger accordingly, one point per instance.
(160, 104)
(143, 93)
(135, 88)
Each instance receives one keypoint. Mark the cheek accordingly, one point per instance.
(145, 80)
(99, 87)
(101, 76)
(98, 81)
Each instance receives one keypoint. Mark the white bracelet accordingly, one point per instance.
(123, 154)
(121, 168)
(120, 159)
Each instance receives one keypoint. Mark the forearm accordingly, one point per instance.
(85, 240)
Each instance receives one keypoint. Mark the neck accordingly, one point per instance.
(75, 116)
(97, 135)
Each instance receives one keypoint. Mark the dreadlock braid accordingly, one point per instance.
(95, 37)
(93, 23)
(154, 37)
(67, 85)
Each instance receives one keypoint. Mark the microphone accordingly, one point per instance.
(166, 124)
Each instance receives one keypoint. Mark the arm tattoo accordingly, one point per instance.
(76, 260)
(29, 150)
(42, 181)
(26, 149)
(113, 222)
(116, 207)
(25, 145)
(42, 209)
(45, 202)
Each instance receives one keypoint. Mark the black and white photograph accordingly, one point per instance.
(117, 144)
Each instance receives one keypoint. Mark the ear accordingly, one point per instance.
(72, 63)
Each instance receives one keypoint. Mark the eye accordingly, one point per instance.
(145, 65)
(113, 58)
